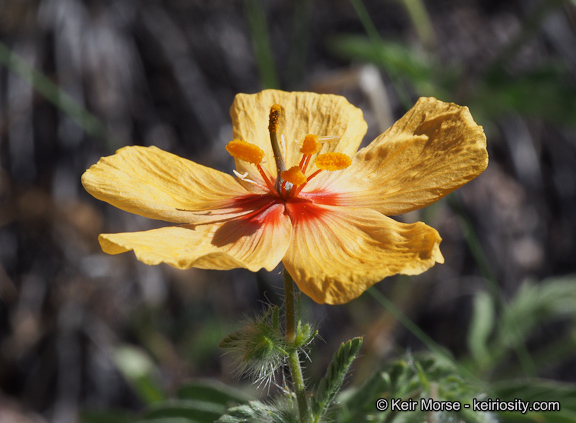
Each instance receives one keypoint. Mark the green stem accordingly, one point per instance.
(293, 360)
(290, 308)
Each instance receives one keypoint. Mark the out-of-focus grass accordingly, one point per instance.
(52, 92)
(504, 323)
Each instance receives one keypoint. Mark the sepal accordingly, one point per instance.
(258, 347)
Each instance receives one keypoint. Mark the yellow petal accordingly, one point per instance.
(159, 185)
(434, 149)
(254, 243)
(302, 114)
(339, 253)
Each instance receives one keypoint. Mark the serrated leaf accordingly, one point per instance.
(415, 377)
(532, 305)
(335, 374)
(247, 413)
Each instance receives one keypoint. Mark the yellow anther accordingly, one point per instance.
(245, 151)
(333, 161)
(274, 119)
(294, 175)
(310, 145)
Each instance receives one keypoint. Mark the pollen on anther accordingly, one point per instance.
(274, 118)
(310, 145)
(294, 175)
(245, 151)
(333, 161)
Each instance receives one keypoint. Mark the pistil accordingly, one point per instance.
(273, 124)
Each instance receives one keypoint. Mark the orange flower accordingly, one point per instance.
(318, 205)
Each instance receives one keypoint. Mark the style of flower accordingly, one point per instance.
(302, 194)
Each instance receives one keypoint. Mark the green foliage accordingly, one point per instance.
(481, 327)
(106, 417)
(543, 91)
(214, 392)
(496, 330)
(335, 374)
(399, 61)
(194, 410)
(415, 377)
(491, 341)
(256, 412)
(169, 420)
(305, 334)
(538, 390)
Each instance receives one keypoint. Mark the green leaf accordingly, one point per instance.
(140, 371)
(197, 411)
(106, 417)
(335, 374)
(214, 392)
(247, 413)
(533, 305)
(481, 327)
(169, 420)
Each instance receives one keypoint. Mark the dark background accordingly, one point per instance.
(165, 73)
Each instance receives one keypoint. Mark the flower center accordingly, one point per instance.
(289, 182)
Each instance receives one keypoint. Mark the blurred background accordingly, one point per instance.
(81, 331)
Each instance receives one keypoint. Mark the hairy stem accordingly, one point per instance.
(293, 360)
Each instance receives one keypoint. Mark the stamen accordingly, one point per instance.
(328, 138)
(294, 175)
(244, 177)
(245, 151)
(332, 161)
(269, 184)
(304, 163)
(310, 145)
(252, 154)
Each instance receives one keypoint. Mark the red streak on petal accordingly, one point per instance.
(323, 197)
(302, 210)
(267, 209)
(249, 226)
(260, 209)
